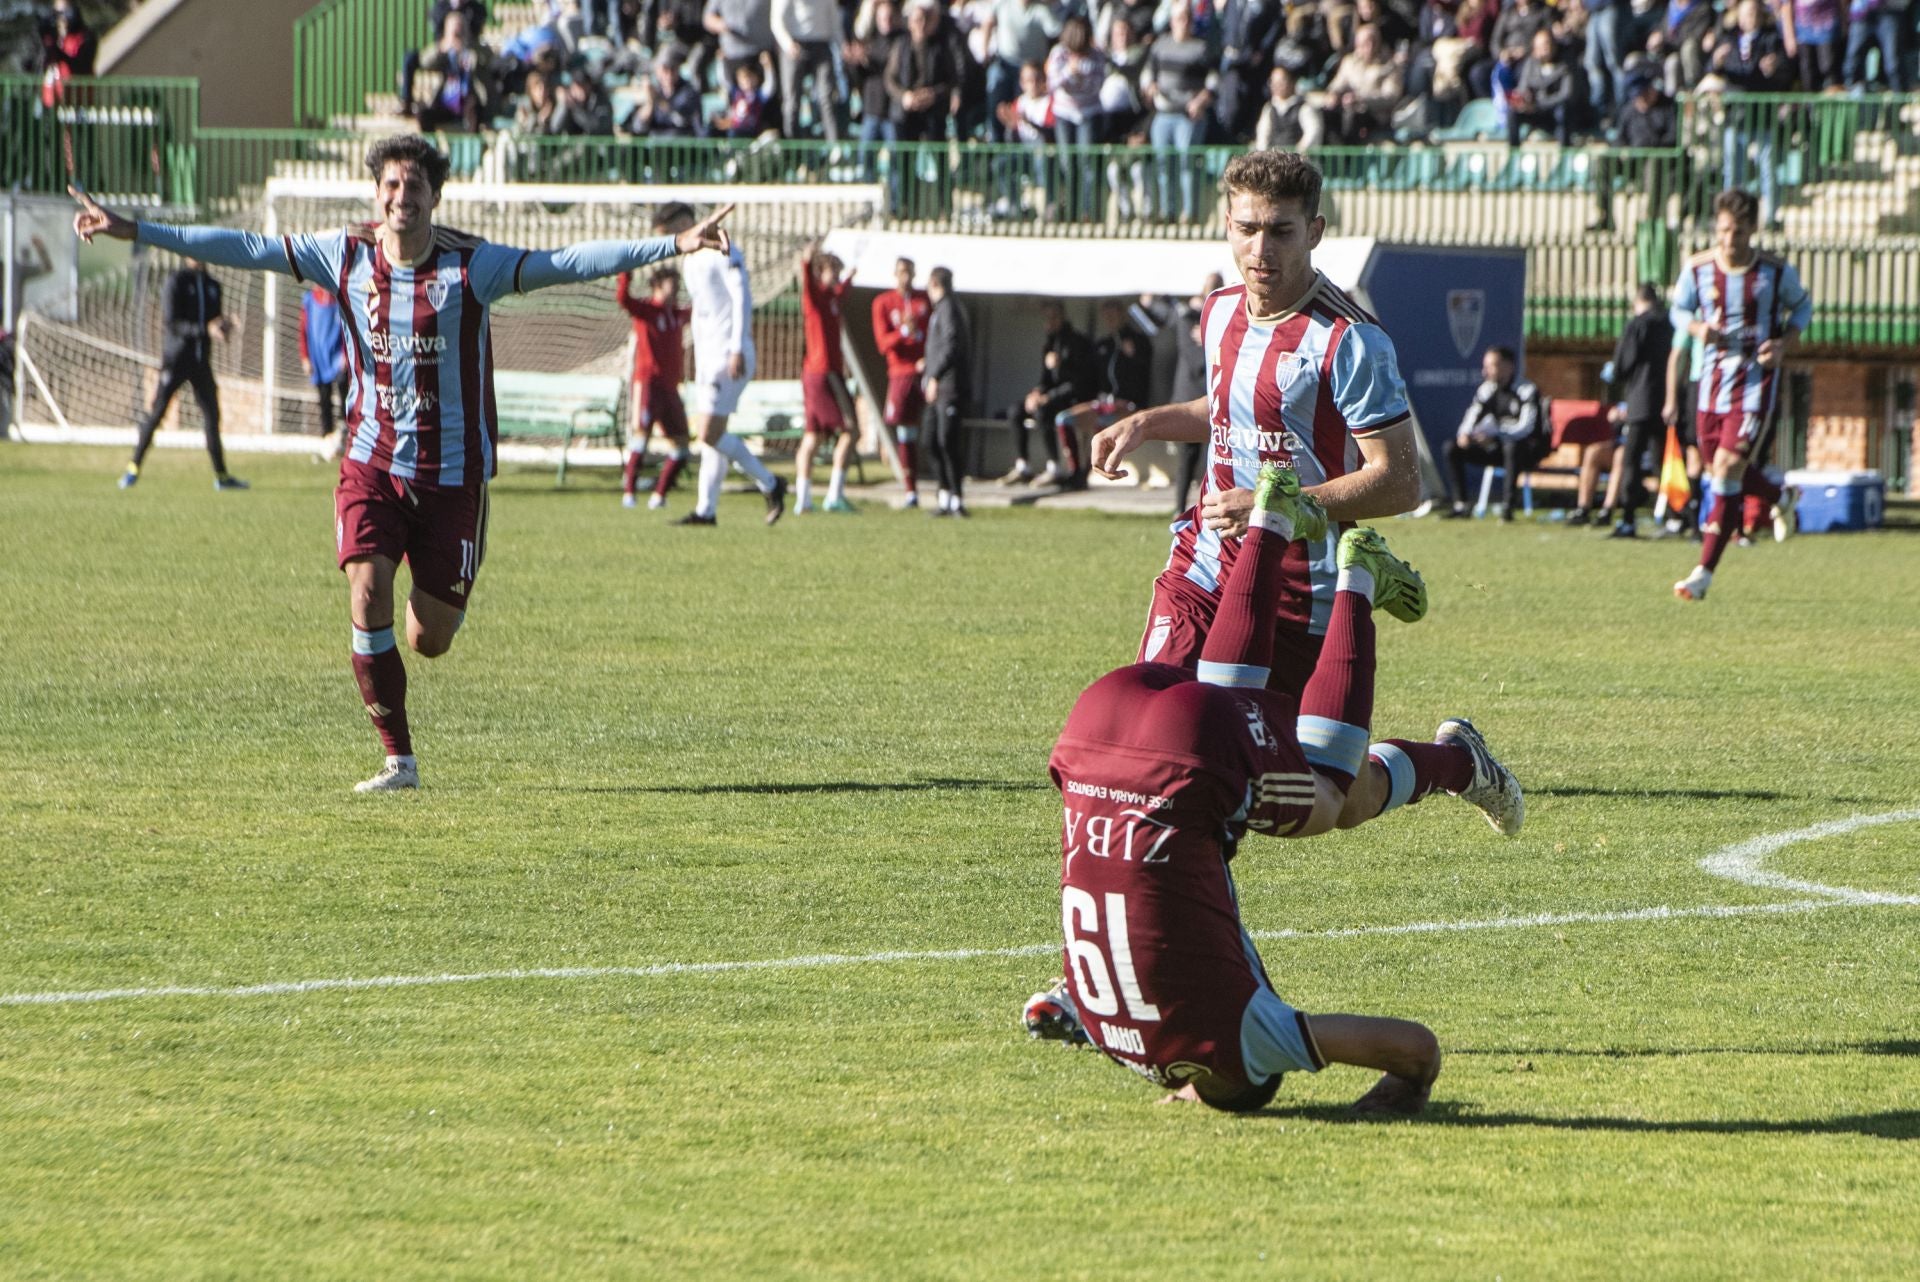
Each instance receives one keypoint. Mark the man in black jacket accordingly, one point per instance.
(1640, 375)
(1647, 121)
(1503, 427)
(190, 310)
(1068, 375)
(949, 378)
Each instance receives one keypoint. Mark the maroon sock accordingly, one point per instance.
(1716, 532)
(383, 687)
(630, 473)
(1755, 513)
(669, 472)
(1446, 766)
(1241, 635)
(910, 463)
(1336, 708)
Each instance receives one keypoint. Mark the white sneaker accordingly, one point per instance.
(1786, 520)
(1494, 791)
(393, 776)
(1049, 475)
(1019, 474)
(911, 501)
(1694, 586)
(655, 502)
(628, 500)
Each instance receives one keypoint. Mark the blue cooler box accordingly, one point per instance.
(1832, 501)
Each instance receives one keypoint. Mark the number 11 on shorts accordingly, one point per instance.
(1097, 989)
(466, 560)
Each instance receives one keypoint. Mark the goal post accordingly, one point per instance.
(569, 328)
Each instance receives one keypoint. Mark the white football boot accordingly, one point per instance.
(1494, 791)
(398, 773)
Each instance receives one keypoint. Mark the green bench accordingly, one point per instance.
(558, 407)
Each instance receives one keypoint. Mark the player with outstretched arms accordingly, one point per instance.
(653, 397)
(823, 378)
(723, 365)
(1297, 374)
(1747, 309)
(1163, 770)
(420, 417)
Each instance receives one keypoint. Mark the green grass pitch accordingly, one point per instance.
(656, 746)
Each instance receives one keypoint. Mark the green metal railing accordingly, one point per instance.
(344, 50)
(1844, 204)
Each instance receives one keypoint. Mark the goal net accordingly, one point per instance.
(98, 365)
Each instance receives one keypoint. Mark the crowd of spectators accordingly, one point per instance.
(1170, 73)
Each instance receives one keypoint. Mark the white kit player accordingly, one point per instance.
(1297, 374)
(723, 364)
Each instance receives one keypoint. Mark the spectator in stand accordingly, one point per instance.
(921, 78)
(749, 111)
(1687, 27)
(1869, 23)
(875, 33)
(534, 116)
(805, 31)
(744, 29)
(68, 47)
(1751, 59)
(1068, 375)
(681, 24)
(1640, 374)
(472, 12)
(1811, 31)
(1504, 83)
(1606, 36)
(323, 355)
(1394, 30)
(669, 105)
(1075, 72)
(1647, 120)
(1018, 32)
(583, 109)
(1503, 426)
(948, 389)
(1548, 95)
(1136, 15)
(1518, 23)
(1127, 119)
(967, 102)
(1288, 120)
(1180, 70)
(1365, 90)
(900, 332)
(1249, 30)
(466, 81)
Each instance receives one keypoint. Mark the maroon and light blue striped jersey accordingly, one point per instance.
(1759, 302)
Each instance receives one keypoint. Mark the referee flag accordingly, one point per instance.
(1675, 489)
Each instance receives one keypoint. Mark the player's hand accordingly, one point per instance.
(706, 234)
(1670, 414)
(737, 365)
(932, 390)
(1111, 444)
(95, 219)
(1770, 352)
(1226, 512)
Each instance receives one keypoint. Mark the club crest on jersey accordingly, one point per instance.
(1289, 369)
(436, 293)
(371, 302)
(1466, 313)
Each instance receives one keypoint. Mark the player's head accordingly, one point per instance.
(827, 268)
(1736, 216)
(1273, 224)
(1499, 364)
(673, 218)
(903, 273)
(408, 173)
(940, 282)
(1033, 79)
(665, 283)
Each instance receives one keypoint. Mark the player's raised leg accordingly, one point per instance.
(379, 671)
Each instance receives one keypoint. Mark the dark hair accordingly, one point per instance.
(1505, 353)
(901, 261)
(1743, 205)
(663, 273)
(1275, 175)
(1076, 28)
(409, 149)
(943, 277)
(1649, 292)
(666, 214)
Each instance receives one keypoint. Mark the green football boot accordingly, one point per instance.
(1397, 587)
(1278, 491)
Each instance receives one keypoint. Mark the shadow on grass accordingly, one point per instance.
(1690, 794)
(1901, 1048)
(1901, 1124)
(824, 786)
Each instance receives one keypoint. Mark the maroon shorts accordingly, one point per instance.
(824, 406)
(440, 533)
(906, 400)
(1177, 625)
(661, 406)
(1741, 431)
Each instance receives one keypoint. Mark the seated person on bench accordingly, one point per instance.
(1503, 427)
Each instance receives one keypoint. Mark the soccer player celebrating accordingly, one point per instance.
(900, 331)
(659, 359)
(823, 377)
(723, 362)
(1161, 775)
(1747, 309)
(1296, 374)
(413, 484)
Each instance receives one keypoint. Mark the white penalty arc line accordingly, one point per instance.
(1739, 862)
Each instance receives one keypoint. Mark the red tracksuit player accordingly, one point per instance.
(900, 319)
(659, 363)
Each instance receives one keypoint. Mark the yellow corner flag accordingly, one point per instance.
(1675, 489)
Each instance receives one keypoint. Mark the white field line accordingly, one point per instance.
(1739, 862)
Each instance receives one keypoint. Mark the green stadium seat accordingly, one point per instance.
(1478, 120)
